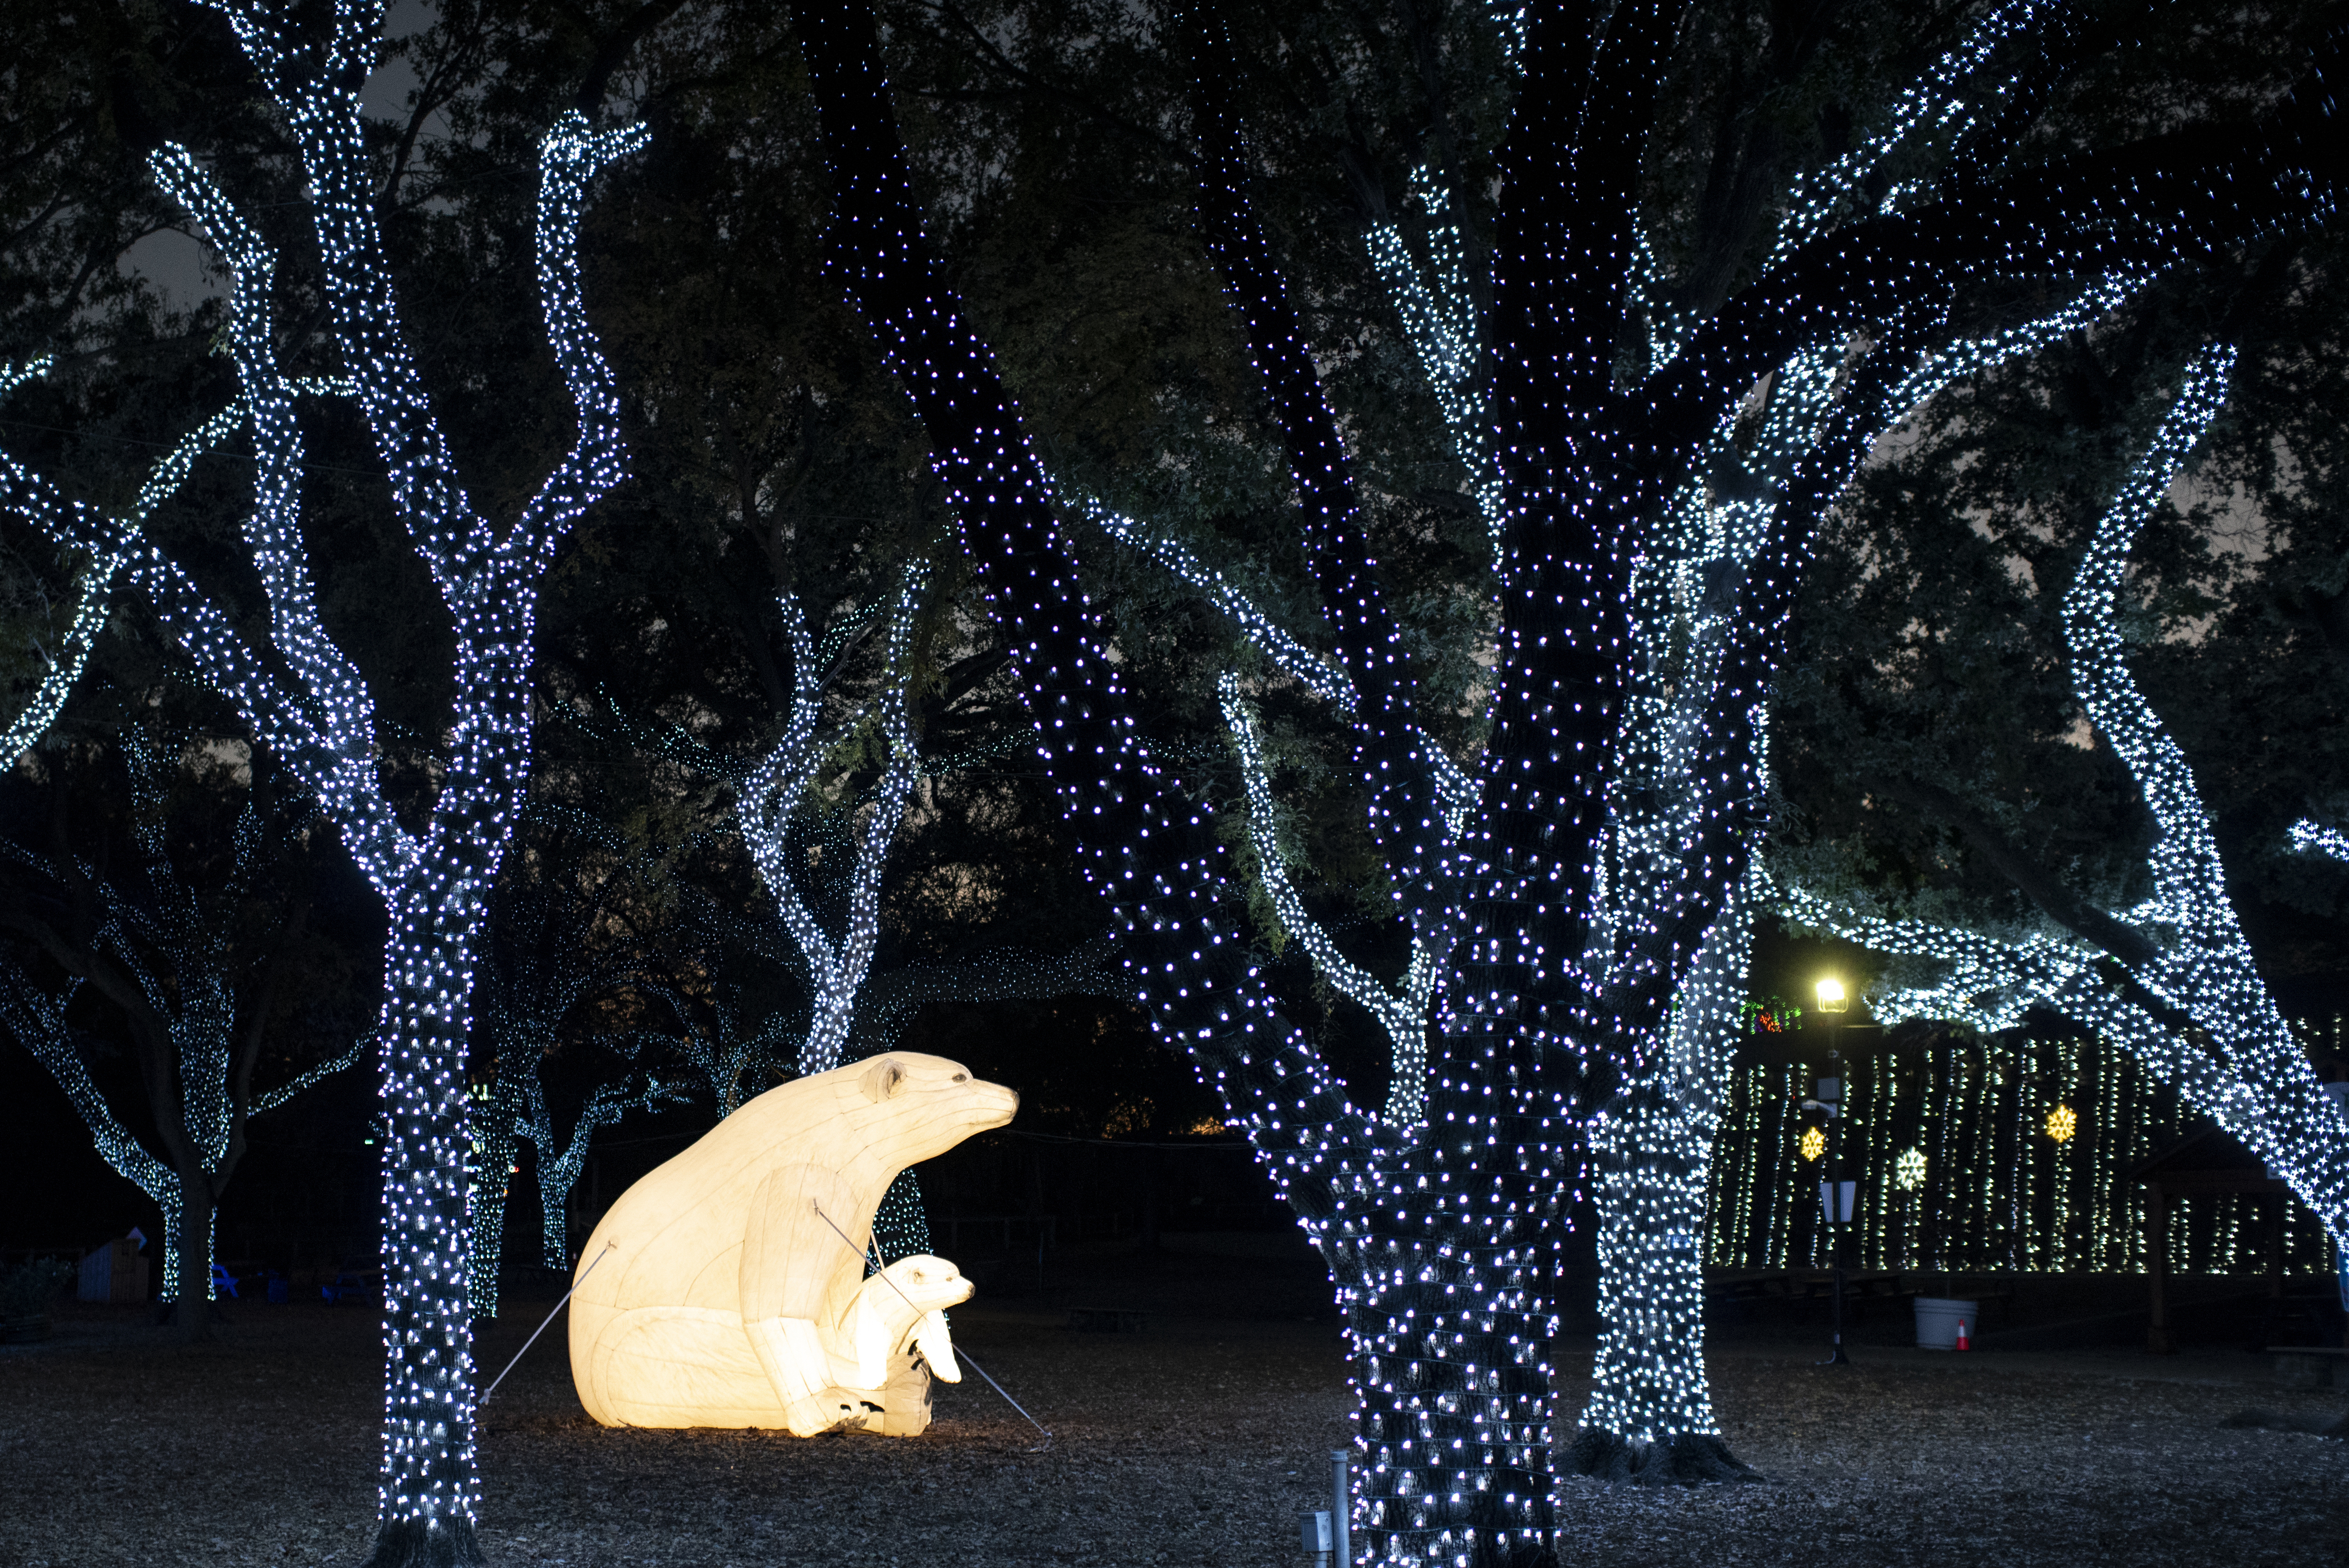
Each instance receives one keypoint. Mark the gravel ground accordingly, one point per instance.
(1196, 1442)
(2022, 1460)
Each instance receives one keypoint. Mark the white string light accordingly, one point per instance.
(779, 806)
(1438, 308)
(543, 958)
(102, 572)
(772, 793)
(1401, 1011)
(1309, 669)
(2311, 839)
(560, 1158)
(36, 1017)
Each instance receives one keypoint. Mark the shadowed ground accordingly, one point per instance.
(1195, 1441)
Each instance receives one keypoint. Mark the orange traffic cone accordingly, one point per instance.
(1963, 1342)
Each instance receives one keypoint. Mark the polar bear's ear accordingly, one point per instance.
(882, 1079)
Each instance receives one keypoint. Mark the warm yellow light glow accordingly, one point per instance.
(1908, 1170)
(717, 1293)
(1830, 993)
(1812, 1143)
(2061, 1123)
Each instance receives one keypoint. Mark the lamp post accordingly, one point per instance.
(1835, 1193)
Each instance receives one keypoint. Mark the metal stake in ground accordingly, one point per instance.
(526, 1344)
(1341, 1511)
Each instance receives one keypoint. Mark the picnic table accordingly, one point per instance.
(2311, 1365)
(354, 1285)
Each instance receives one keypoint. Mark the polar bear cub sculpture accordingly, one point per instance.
(727, 1287)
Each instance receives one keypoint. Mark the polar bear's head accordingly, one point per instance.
(931, 1103)
(931, 1285)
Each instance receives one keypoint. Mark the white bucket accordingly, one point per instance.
(1937, 1321)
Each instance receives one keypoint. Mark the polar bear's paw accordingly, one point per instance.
(899, 1312)
(934, 1344)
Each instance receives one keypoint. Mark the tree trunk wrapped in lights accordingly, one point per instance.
(311, 707)
(166, 956)
(1651, 1145)
(2175, 984)
(560, 1157)
(1649, 1417)
(1683, 623)
(1440, 1244)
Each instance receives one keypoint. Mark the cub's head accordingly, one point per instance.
(935, 1103)
(931, 1284)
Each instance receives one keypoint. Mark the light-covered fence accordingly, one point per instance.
(1961, 1167)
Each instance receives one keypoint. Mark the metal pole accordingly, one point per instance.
(1836, 1221)
(1838, 1358)
(526, 1344)
(1342, 1510)
(1836, 1225)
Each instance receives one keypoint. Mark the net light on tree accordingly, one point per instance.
(734, 1293)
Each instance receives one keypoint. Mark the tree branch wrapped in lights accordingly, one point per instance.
(784, 809)
(544, 955)
(175, 961)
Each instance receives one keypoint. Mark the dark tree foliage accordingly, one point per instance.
(181, 951)
(1932, 749)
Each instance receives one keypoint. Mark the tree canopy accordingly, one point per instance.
(1044, 456)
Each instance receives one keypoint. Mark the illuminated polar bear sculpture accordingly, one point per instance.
(724, 1296)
